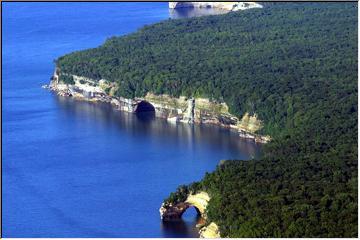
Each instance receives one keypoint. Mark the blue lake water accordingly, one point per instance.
(78, 169)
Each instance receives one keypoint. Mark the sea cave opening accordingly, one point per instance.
(145, 106)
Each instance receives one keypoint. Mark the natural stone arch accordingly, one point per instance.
(144, 106)
(176, 211)
(199, 201)
(170, 211)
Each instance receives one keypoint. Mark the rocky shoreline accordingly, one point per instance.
(228, 6)
(182, 109)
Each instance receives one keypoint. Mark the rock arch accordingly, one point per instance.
(176, 211)
(173, 211)
(199, 201)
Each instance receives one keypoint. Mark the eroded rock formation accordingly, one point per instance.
(170, 212)
(182, 109)
(229, 6)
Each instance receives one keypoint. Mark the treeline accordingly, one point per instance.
(295, 65)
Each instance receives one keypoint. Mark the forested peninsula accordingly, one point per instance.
(294, 66)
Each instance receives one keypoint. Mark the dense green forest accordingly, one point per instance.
(295, 65)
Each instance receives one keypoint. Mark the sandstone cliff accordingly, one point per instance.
(182, 109)
(229, 6)
(210, 231)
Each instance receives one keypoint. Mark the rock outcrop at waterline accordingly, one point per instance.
(210, 231)
(169, 211)
(174, 211)
(228, 6)
(182, 109)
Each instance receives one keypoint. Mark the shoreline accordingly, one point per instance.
(174, 110)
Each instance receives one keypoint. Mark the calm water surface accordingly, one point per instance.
(77, 169)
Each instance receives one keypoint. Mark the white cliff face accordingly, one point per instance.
(210, 231)
(246, 5)
(200, 201)
(85, 86)
(189, 115)
(229, 6)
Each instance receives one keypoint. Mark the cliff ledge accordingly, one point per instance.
(229, 6)
(181, 109)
